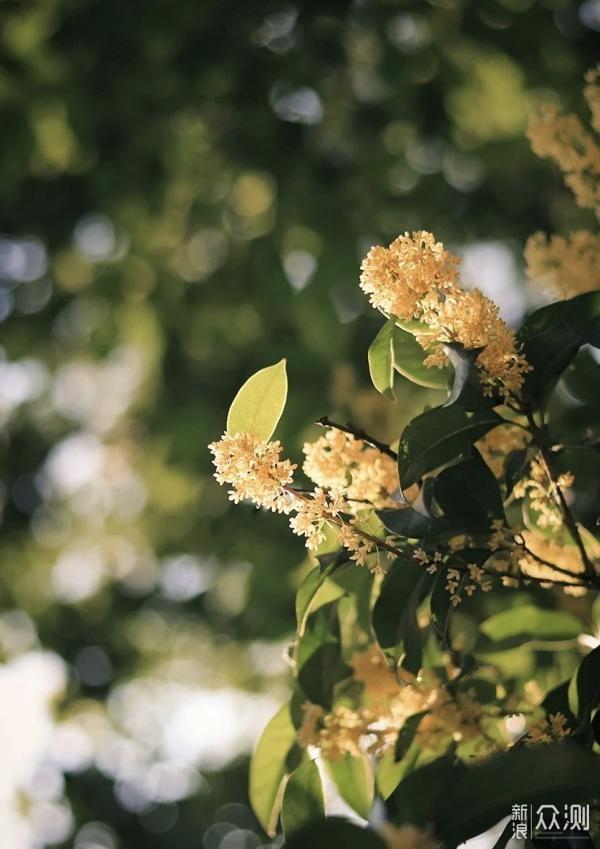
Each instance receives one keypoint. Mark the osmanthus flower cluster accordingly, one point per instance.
(375, 726)
(416, 280)
(568, 265)
(447, 649)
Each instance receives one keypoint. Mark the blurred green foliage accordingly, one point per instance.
(186, 191)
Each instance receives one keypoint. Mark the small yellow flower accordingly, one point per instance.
(340, 462)
(564, 139)
(548, 730)
(396, 278)
(416, 278)
(313, 513)
(253, 469)
(564, 265)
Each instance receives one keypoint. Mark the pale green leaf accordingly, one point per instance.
(303, 799)
(409, 361)
(258, 405)
(527, 622)
(381, 359)
(353, 778)
(268, 767)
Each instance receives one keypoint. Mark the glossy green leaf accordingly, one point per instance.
(334, 833)
(407, 734)
(413, 326)
(526, 622)
(441, 608)
(407, 522)
(390, 772)
(268, 767)
(438, 437)
(469, 494)
(309, 588)
(552, 336)
(465, 379)
(409, 361)
(258, 405)
(381, 360)
(303, 800)
(464, 801)
(319, 664)
(353, 778)
(394, 615)
(584, 688)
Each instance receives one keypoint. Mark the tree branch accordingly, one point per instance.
(571, 524)
(325, 421)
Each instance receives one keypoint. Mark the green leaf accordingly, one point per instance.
(465, 374)
(303, 800)
(549, 353)
(584, 689)
(333, 833)
(394, 615)
(462, 802)
(526, 622)
(381, 360)
(258, 405)
(389, 772)
(353, 778)
(409, 361)
(268, 767)
(308, 589)
(557, 701)
(441, 608)
(408, 522)
(552, 335)
(438, 437)
(407, 734)
(318, 657)
(469, 495)
(411, 325)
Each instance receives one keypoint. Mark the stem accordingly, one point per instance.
(590, 582)
(571, 524)
(325, 421)
(547, 563)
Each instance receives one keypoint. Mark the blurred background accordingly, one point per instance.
(187, 189)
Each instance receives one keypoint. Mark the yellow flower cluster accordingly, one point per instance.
(374, 728)
(567, 266)
(415, 278)
(468, 582)
(397, 278)
(564, 265)
(564, 139)
(547, 730)
(407, 837)
(313, 513)
(542, 493)
(340, 462)
(545, 552)
(358, 546)
(254, 470)
(429, 563)
(372, 670)
(592, 95)
(498, 443)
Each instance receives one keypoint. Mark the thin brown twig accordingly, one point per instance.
(561, 501)
(547, 563)
(358, 433)
(381, 543)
